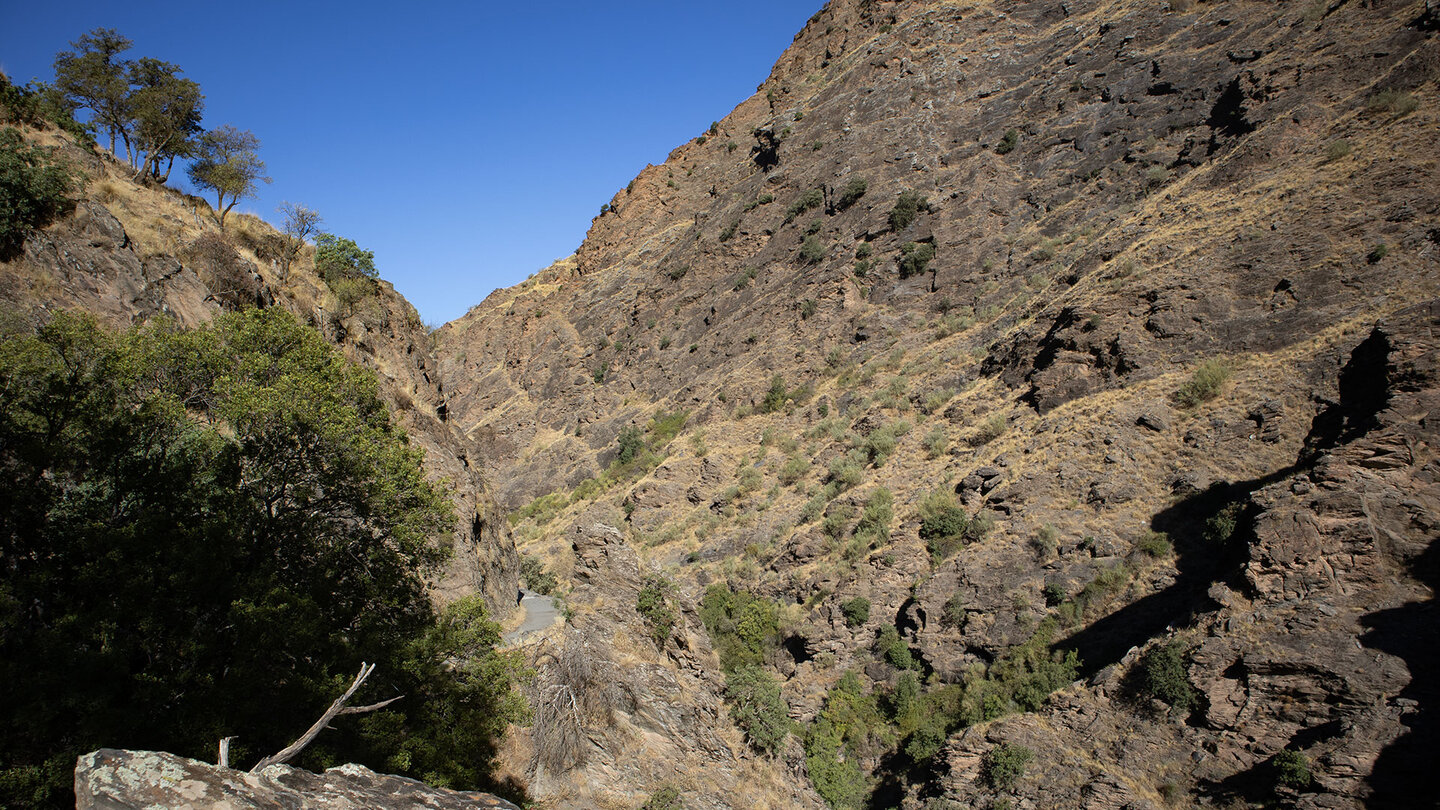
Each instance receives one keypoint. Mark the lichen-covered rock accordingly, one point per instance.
(111, 779)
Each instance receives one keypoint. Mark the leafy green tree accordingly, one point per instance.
(835, 739)
(226, 162)
(35, 187)
(204, 533)
(758, 708)
(93, 77)
(166, 111)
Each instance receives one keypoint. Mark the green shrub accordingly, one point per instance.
(846, 724)
(227, 523)
(677, 271)
(945, 527)
(989, 430)
(1153, 543)
(758, 708)
(936, 442)
(810, 199)
(339, 258)
(794, 469)
(1336, 150)
(729, 230)
(848, 470)
(35, 188)
(743, 628)
(808, 308)
(952, 615)
(1377, 253)
(1003, 765)
(775, 397)
(1204, 384)
(543, 509)
(914, 258)
(812, 250)
(1292, 769)
(856, 611)
(814, 226)
(874, 525)
(666, 798)
(907, 207)
(40, 105)
(536, 578)
(1220, 527)
(851, 193)
(630, 441)
(835, 523)
(1008, 142)
(1395, 102)
(655, 604)
(1054, 594)
(1162, 676)
(892, 649)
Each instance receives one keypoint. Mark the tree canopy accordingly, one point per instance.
(204, 533)
(227, 162)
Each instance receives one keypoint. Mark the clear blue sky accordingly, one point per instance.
(467, 143)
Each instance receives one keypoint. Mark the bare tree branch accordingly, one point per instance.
(336, 709)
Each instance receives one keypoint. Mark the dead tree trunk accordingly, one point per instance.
(336, 709)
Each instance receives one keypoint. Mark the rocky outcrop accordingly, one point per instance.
(110, 779)
(1322, 638)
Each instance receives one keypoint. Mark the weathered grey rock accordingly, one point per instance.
(111, 779)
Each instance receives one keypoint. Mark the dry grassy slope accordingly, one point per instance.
(129, 253)
(1189, 181)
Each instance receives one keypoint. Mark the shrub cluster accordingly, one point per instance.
(656, 605)
(851, 193)
(907, 207)
(35, 188)
(945, 527)
(1204, 384)
(813, 198)
(1003, 765)
(914, 258)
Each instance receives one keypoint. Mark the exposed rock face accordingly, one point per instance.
(1135, 224)
(110, 779)
(1323, 639)
(1113, 192)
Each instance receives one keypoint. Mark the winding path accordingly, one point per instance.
(540, 613)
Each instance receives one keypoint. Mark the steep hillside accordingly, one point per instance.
(129, 253)
(1106, 276)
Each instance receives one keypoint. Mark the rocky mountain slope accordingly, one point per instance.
(1145, 288)
(130, 253)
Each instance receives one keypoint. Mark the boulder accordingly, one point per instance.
(111, 779)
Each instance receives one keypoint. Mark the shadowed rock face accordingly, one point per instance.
(110, 779)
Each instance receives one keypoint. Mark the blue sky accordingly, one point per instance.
(467, 144)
